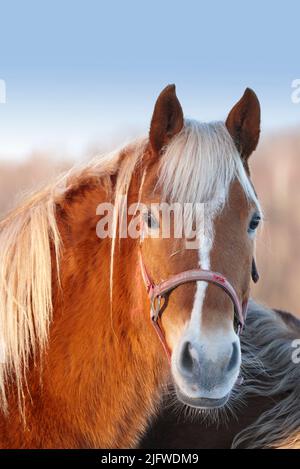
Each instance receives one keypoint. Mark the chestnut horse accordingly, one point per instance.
(82, 364)
(263, 413)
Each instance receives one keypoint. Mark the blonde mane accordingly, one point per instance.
(27, 236)
(25, 285)
(201, 161)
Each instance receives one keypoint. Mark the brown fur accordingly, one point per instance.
(85, 400)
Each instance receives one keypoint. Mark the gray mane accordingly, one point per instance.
(267, 342)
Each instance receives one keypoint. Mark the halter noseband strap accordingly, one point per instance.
(161, 290)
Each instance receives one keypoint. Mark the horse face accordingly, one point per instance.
(198, 320)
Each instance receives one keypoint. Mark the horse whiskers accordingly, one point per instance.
(220, 416)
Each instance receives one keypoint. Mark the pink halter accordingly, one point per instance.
(158, 291)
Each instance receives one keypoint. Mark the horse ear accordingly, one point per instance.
(243, 123)
(167, 119)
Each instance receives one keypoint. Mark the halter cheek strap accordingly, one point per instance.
(158, 291)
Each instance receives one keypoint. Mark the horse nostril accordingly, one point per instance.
(187, 359)
(234, 357)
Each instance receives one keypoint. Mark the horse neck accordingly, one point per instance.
(97, 354)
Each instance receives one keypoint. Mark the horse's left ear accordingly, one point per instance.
(167, 119)
(243, 123)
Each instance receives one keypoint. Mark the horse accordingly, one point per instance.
(84, 365)
(262, 413)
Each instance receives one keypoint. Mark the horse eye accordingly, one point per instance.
(254, 223)
(150, 220)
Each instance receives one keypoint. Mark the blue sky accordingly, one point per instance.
(79, 73)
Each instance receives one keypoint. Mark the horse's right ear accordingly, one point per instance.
(167, 119)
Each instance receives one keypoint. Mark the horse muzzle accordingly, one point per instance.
(205, 369)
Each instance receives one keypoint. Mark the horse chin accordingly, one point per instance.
(203, 403)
